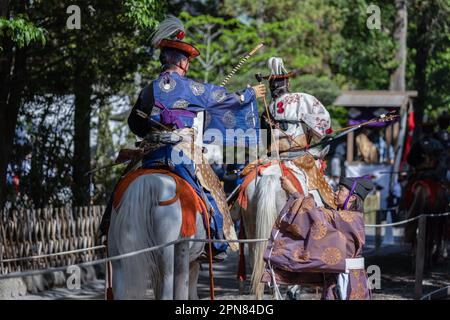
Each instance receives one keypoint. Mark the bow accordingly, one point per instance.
(382, 118)
(241, 63)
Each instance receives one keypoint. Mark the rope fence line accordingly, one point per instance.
(55, 254)
(123, 256)
(433, 215)
(199, 240)
(429, 295)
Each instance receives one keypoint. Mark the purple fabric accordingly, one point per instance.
(310, 247)
(172, 116)
(350, 193)
(353, 189)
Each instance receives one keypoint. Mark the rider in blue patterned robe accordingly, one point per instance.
(176, 101)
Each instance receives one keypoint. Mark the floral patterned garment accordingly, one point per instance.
(309, 245)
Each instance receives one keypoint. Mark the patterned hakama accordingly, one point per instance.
(318, 247)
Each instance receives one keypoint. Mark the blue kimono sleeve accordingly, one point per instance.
(235, 115)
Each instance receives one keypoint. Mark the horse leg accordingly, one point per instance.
(248, 222)
(165, 228)
(140, 222)
(195, 251)
(267, 212)
(118, 282)
(440, 240)
(194, 271)
(168, 230)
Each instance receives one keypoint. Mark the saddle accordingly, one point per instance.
(306, 163)
(204, 173)
(191, 202)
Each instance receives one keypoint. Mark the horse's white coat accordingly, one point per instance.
(139, 222)
(265, 202)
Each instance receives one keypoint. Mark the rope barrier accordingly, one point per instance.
(122, 256)
(382, 210)
(55, 254)
(431, 215)
(428, 296)
(134, 253)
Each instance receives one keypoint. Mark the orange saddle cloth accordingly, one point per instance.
(190, 201)
(250, 173)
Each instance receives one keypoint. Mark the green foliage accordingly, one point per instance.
(105, 179)
(434, 16)
(106, 54)
(326, 41)
(323, 88)
(364, 56)
(221, 42)
(21, 31)
(142, 13)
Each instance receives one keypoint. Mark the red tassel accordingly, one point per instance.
(242, 273)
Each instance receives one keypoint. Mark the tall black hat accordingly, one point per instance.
(362, 188)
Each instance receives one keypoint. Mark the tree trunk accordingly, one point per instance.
(9, 110)
(12, 76)
(4, 8)
(82, 152)
(420, 76)
(397, 82)
(5, 67)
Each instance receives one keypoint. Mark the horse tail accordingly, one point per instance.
(131, 229)
(266, 215)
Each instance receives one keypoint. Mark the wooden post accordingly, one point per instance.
(181, 271)
(395, 134)
(350, 146)
(1, 241)
(378, 230)
(1, 258)
(397, 81)
(420, 256)
(388, 135)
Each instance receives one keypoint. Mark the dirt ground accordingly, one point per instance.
(397, 280)
(397, 277)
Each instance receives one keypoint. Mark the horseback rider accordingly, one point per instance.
(299, 115)
(300, 120)
(173, 106)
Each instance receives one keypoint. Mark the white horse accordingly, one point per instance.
(306, 118)
(140, 222)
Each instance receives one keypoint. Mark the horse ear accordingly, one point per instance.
(318, 153)
(324, 152)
